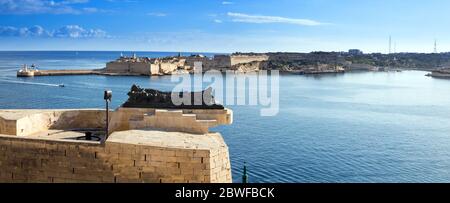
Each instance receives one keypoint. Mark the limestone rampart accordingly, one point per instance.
(117, 161)
(44, 146)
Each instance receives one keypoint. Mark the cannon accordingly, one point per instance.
(150, 98)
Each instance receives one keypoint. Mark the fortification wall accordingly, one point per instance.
(250, 67)
(128, 67)
(187, 120)
(7, 127)
(154, 69)
(117, 67)
(207, 64)
(128, 155)
(33, 121)
(168, 67)
(50, 161)
(237, 59)
(222, 61)
(140, 68)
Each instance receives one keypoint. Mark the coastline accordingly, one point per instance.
(315, 63)
(66, 72)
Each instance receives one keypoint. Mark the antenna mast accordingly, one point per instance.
(390, 44)
(435, 46)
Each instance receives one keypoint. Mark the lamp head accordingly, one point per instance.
(108, 95)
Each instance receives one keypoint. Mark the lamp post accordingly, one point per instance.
(107, 97)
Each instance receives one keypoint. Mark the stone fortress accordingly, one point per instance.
(183, 64)
(142, 145)
(297, 63)
(144, 65)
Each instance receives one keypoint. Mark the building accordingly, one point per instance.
(164, 66)
(355, 52)
(143, 65)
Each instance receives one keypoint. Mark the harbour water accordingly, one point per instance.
(353, 127)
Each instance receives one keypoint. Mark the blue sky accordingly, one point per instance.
(225, 26)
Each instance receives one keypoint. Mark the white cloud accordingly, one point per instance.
(68, 31)
(34, 31)
(24, 7)
(246, 18)
(227, 2)
(217, 21)
(75, 31)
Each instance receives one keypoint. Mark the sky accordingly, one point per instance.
(220, 26)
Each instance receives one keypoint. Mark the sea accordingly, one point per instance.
(386, 127)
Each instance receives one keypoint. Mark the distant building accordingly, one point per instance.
(355, 52)
(156, 66)
(144, 65)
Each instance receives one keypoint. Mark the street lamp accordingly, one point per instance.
(107, 97)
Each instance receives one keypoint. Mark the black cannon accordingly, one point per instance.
(150, 98)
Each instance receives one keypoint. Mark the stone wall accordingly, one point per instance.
(222, 62)
(117, 67)
(54, 155)
(207, 63)
(141, 68)
(238, 59)
(154, 69)
(7, 127)
(144, 68)
(32, 121)
(188, 120)
(168, 67)
(250, 67)
(51, 161)
(225, 62)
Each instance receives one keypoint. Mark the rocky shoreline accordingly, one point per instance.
(443, 73)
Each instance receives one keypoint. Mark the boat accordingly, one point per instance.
(61, 85)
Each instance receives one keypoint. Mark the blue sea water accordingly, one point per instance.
(353, 127)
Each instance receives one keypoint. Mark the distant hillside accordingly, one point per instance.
(403, 60)
(417, 61)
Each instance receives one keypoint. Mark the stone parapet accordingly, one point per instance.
(184, 120)
(43, 146)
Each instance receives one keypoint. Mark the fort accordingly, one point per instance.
(182, 64)
(140, 145)
(237, 62)
(144, 65)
